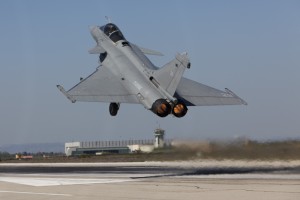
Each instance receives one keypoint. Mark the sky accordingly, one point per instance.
(250, 47)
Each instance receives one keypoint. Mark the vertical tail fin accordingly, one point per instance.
(170, 74)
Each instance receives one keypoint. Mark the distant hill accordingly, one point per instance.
(33, 148)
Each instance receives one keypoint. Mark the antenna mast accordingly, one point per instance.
(108, 19)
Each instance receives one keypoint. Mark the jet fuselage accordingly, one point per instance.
(135, 71)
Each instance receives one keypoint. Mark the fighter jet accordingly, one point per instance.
(126, 75)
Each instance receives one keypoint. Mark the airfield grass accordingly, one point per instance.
(246, 150)
(286, 150)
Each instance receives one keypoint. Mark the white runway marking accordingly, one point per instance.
(34, 193)
(246, 176)
(33, 181)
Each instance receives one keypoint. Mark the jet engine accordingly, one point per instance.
(179, 109)
(161, 108)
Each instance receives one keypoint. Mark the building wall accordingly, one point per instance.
(122, 146)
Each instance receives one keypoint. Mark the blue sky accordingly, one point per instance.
(251, 47)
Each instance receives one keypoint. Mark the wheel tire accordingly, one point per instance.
(113, 109)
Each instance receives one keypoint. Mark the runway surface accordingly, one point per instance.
(152, 180)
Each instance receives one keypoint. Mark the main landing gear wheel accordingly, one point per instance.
(114, 108)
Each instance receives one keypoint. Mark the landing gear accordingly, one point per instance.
(113, 108)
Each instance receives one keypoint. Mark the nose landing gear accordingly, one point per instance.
(114, 108)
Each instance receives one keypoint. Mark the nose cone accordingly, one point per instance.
(94, 33)
(92, 28)
(97, 34)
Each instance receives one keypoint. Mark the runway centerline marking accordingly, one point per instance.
(46, 181)
(34, 193)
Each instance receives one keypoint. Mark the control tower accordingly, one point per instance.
(159, 138)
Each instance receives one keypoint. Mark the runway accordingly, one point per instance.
(152, 180)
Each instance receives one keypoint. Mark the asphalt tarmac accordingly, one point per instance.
(152, 180)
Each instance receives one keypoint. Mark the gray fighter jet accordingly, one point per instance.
(126, 75)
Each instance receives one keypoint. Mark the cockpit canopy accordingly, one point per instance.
(113, 32)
